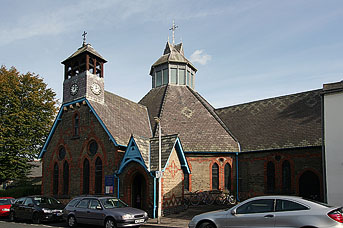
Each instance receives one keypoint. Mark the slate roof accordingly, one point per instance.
(123, 117)
(143, 145)
(85, 48)
(184, 112)
(283, 122)
(167, 144)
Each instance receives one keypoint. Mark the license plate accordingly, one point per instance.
(139, 220)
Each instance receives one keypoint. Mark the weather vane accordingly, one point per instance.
(84, 38)
(173, 28)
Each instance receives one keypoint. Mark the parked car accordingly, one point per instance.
(103, 211)
(37, 209)
(5, 205)
(272, 211)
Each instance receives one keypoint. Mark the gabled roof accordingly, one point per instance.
(119, 117)
(135, 153)
(282, 122)
(85, 48)
(184, 112)
(123, 117)
(168, 143)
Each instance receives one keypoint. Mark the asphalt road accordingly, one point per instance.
(4, 223)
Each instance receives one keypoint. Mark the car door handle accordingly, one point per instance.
(269, 216)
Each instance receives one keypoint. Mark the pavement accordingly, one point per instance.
(181, 220)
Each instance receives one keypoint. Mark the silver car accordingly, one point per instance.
(272, 211)
(103, 211)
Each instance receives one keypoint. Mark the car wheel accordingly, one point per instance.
(207, 225)
(71, 221)
(35, 218)
(110, 223)
(12, 217)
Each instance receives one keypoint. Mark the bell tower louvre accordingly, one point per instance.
(84, 75)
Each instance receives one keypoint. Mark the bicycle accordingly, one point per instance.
(225, 198)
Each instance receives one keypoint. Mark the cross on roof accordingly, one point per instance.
(173, 28)
(84, 38)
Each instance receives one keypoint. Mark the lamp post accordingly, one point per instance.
(159, 206)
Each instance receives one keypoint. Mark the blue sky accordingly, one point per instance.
(243, 50)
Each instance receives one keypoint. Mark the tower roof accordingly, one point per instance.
(172, 53)
(184, 112)
(85, 48)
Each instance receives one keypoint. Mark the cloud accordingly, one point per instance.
(199, 57)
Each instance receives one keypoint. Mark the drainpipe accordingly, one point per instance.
(239, 150)
(155, 206)
(118, 183)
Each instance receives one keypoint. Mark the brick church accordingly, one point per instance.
(101, 143)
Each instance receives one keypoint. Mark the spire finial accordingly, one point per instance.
(84, 38)
(173, 28)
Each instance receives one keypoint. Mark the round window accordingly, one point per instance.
(61, 153)
(93, 148)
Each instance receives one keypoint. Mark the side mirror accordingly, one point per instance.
(233, 212)
(98, 207)
(30, 205)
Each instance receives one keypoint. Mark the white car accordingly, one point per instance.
(272, 211)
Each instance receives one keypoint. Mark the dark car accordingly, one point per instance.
(103, 211)
(5, 205)
(37, 209)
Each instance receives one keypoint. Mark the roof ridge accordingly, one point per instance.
(165, 136)
(136, 103)
(271, 98)
(161, 106)
(213, 113)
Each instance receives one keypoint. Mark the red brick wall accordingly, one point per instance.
(77, 150)
(253, 169)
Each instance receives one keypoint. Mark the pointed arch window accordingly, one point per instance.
(65, 178)
(227, 175)
(286, 177)
(98, 176)
(76, 125)
(85, 188)
(270, 177)
(55, 179)
(215, 176)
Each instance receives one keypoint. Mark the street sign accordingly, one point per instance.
(159, 174)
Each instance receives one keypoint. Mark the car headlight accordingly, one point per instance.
(46, 210)
(5, 209)
(128, 216)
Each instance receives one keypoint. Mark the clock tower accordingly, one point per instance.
(84, 75)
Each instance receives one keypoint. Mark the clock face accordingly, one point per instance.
(74, 88)
(96, 89)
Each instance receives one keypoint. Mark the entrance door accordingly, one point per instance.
(138, 191)
(309, 186)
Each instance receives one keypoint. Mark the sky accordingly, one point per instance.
(244, 50)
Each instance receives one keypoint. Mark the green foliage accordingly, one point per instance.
(27, 110)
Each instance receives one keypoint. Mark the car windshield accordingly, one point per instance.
(112, 203)
(45, 200)
(5, 201)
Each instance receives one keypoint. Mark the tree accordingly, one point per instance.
(27, 110)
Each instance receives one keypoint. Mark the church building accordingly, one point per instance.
(101, 143)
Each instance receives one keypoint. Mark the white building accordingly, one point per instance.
(333, 141)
